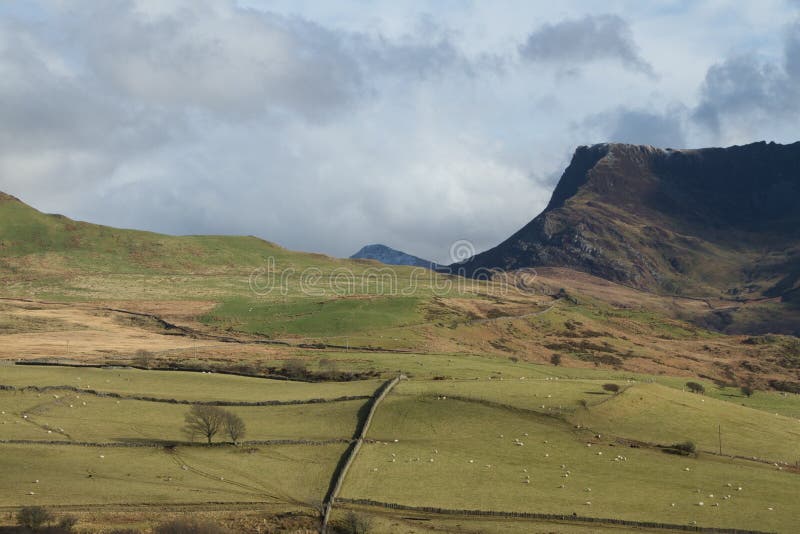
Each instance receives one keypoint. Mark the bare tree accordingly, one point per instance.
(204, 420)
(234, 426)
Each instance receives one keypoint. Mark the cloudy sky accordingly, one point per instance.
(327, 125)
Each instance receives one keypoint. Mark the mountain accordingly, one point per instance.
(390, 256)
(714, 222)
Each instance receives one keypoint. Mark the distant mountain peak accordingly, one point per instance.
(390, 256)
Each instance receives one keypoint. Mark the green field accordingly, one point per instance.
(181, 385)
(67, 416)
(657, 414)
(96, 475)
(476, 468)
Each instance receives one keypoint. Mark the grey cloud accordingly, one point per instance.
(749, 89)
(640, 126)
(584, 40)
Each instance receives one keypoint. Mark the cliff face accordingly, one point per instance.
(708, 222)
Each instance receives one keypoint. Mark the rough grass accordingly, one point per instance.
(641, 488)
(145, 475)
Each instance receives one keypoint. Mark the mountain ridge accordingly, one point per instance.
(713, 222)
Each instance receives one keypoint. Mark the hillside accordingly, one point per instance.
(716, 222)
(34, 244)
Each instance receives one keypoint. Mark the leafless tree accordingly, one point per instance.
(204, 420)
(234, 426)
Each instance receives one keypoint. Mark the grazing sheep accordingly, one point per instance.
(686, 469)
(588, 503)
(701, 503)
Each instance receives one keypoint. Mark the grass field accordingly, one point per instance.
(462, 432)
(65, 415)
(96, 476)
(182, 385)
(657, 414)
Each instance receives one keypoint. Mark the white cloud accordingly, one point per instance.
(327, 126)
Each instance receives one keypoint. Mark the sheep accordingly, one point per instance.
(472, 461)
(701, 503)
(673, 505)
(686, 469)
(102, 456)
(588, 503)
(31, 493)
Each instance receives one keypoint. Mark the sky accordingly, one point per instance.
(327, 125)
